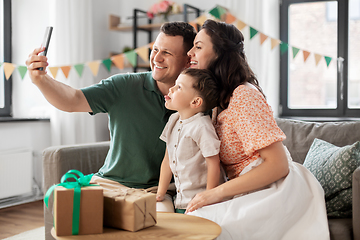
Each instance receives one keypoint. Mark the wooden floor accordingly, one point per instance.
(21, 218)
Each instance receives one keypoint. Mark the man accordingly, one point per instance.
(135, 106)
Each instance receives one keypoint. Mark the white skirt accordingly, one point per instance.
(291, 208)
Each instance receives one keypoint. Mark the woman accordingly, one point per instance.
(271, 196)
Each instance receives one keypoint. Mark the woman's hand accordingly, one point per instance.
(207, 197)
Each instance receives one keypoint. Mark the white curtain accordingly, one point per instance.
(263, 15)
(72, 43)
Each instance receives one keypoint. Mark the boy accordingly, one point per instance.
(192, 146)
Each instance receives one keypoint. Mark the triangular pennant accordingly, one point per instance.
(215, 12)
(94, 67)
(283, 47)
(118, 60)
(22, 70)
(66, 70)
(295, 51)
(8, 69)
(107, 64)
(253, 32)
(151, 45)
(221, 10)
(317, 58)
(143, 52)
(263, 37)
(200, 20)
(54, 71)
(328, 60)
(230, 18)
(240, 25)
(274, 43)
(131, 56)
(306, 55)
(194, 24)
(79, 69)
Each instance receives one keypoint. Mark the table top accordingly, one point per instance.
(169, 226)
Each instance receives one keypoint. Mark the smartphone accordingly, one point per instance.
(46, 42)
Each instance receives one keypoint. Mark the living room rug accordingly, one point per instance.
(34, 234)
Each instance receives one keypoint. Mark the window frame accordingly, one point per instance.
(342, 109)
(6, 110)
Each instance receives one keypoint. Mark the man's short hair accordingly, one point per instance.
(180, 29)
(206, 85)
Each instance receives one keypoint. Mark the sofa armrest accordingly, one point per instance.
(87, 158)
(356, 205)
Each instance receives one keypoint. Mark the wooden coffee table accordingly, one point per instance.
(169, 226)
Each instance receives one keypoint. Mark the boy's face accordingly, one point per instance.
(182, 94)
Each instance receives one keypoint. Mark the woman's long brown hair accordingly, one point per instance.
(230, 66)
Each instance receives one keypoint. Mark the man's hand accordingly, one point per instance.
(34, 62)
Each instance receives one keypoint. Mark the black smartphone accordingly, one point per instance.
(46, 42)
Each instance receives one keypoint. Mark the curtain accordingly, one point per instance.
(263, 15)
(72, 43)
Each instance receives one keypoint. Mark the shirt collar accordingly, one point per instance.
(150, 84)
(192, 118)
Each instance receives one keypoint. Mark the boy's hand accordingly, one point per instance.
(160, 197)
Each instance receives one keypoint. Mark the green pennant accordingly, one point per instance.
(22, 70)
(283, 47)
(215, 12)
(221, 10)
(328, 60)
(107, 63)
(132, 57)
(295, 51)
(79, 69)
(253, 32)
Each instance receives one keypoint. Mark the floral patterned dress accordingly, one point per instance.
(290, 208)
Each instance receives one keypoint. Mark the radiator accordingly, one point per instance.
(16, 172)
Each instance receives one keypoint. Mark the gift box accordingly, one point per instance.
(91, 210)
(78, 205)
(129, 209)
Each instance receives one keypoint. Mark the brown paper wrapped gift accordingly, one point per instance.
(91, 210)
(129, 209)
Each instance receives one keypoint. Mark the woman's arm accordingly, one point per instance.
(165, 178)
(213, 171)
(274, 167)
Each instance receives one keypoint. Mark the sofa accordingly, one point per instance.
(88, 158)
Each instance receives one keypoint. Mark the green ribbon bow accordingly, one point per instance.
(80, 181)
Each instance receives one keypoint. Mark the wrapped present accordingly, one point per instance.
(78, 206)
(129, 209)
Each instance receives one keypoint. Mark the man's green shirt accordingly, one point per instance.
(137, 116)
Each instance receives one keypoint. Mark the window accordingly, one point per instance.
(5, 56)
(312, 86)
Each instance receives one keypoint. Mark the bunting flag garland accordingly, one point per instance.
(132, 57)
(22, 70)
(94, 67)
(306, 55)
(107, 64)
(54, 71)
(253, 32)
(295, 51)
(79, 69)
(143, 53)
(8, 69)
(66, 70)
(118, 61)
(263, 37)
(218, 13)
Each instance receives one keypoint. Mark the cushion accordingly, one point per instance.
(333, 167)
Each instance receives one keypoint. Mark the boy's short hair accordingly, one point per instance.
(183, 29)
(206, 84)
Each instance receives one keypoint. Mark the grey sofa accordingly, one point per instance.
(88, 158)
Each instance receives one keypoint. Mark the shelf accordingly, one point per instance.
(114, 24)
